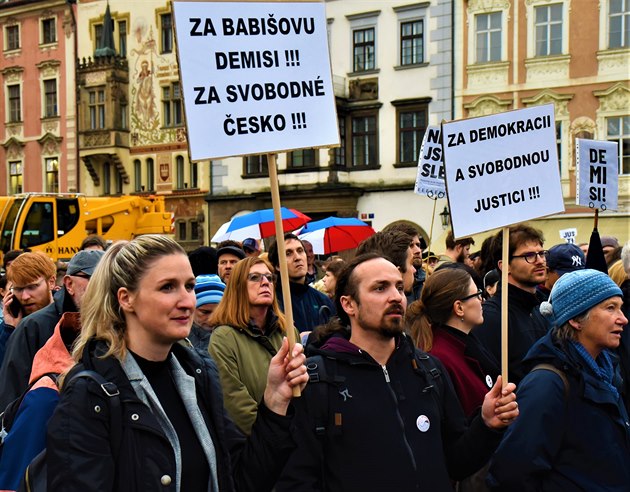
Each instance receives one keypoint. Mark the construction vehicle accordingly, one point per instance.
(57, 223)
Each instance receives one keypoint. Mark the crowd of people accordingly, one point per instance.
(136, 366)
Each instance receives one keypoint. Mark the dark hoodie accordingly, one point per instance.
(579, 441)
(391, 427)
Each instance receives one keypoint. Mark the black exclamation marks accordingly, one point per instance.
(534, 192)
(292, 58)
(298, 120)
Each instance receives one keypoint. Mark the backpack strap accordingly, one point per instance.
(115, 409)
(423, 364)
(550, 367)
(8, 415)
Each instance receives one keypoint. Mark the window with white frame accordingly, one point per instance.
(619, 24)
(255, 165)
(412, 42)
(411, 122)
(548, 29)
(488, 37)
(51, 165)
(618, 130)
(96, 107)
(15, 177)
(14, 93)
(50, 98)
(49, 31)
(12, 37)
(364, 140)
(172, 105)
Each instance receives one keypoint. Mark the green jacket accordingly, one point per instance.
(243, 356)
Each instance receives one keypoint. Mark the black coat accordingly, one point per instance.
(388, 428)
(79, 456)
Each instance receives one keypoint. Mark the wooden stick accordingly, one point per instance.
(596, 218)
(504, 304)
(431, 234)
(282, 255)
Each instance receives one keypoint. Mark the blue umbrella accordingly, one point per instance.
(335, 234)
(332, 222)
(291, 220)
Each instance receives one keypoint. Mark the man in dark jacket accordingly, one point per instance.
(387, 421)
(33, 332)
(310, 307)
(527, 267)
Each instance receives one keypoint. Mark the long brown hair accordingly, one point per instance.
(435, 306)
(233, 310)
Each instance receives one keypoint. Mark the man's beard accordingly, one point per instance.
(388, 328)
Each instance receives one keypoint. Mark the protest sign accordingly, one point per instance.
(256, 77)
(430, 176)
(596, 177)
(501, 169)
(568, 235)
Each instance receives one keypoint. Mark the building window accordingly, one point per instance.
(194, 230)
(194, 175)
(364, 141)
(98, 35)
(363, 48)
(172, 105)
(107, 178)
(412, 123)
(52, 175)
(619, 24)
(137, 176)
(50, 98)
(548, 26)
(488, 37)
(122, 38)
(412, 42)
(12, 37)
(302, 158)
(97, 109)
(123, 117)
(150, 175)
(15, 103)
(339, 155)
(619, 131)
(15, 177)
(179, 170)
(256, 165)
(181, 230)
(119, 182)
(166, 30)
(49, 31)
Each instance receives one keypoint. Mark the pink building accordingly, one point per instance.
(38, 150)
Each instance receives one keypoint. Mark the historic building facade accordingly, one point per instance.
(572, 53)
(38, 150)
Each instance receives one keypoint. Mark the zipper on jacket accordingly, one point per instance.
(387, 380)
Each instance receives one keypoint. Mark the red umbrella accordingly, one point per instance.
(335, 234)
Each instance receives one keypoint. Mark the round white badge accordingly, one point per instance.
(489, 381)
(423, 424)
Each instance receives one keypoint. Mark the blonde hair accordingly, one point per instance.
(233, 310)
(124, 264)
(617, 273)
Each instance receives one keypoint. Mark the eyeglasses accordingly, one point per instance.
(532, 256)
(477, 294)
(258, 277)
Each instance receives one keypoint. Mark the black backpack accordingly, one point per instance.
(35, 477)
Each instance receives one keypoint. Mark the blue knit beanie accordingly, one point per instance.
(576, 292)
(208, 289)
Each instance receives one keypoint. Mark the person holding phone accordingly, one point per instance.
(31, 280)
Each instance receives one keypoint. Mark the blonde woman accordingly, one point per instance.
(175, 434)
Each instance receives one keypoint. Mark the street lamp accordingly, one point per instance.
(445, 217)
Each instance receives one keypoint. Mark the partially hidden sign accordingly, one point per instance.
(430, 175)
(256, 77)
(597, 174)
(501, 169)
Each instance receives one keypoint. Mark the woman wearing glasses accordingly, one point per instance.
(249, 332)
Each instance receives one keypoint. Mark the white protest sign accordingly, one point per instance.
(430, 176)
(596, 183)
(569, 235)
(501, 169)
(256, 77)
